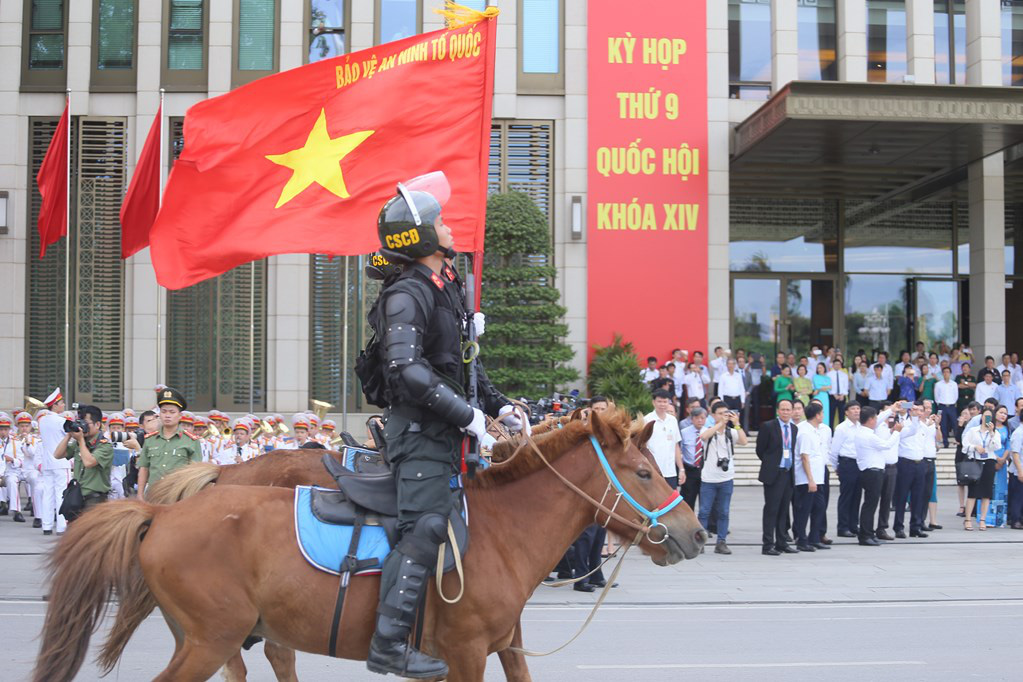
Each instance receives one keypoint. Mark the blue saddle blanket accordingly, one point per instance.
(324, 545)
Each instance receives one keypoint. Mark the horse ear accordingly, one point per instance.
(643, 436)
(603, 431)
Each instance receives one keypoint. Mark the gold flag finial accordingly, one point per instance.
(457, 16)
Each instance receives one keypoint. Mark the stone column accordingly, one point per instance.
(221, 39)
(292, 33)
(361, 25)
(784, 43)
(718, 133)
(983, 42)
(852, 40)
(920, 40)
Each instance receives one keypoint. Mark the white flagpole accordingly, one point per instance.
(161, 373)
(344, 354)
(67, 260)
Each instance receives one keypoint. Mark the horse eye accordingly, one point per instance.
(644, 474)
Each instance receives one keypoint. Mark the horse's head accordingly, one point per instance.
(675, 534)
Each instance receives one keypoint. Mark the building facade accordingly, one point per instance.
(861, 164)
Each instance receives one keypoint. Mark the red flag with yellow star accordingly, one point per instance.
(303, 161)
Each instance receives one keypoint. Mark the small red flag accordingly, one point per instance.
(52, 181)
(142, 200)
(303, 161)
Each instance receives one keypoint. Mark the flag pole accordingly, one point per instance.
(252, 329)
(344, 354)
(67, 259)
(159, 290)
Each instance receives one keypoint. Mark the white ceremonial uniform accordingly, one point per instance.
(56, 472)
(230, 453)
(23, 468)
(117, 473)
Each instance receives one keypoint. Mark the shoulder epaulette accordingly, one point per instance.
(190, 435)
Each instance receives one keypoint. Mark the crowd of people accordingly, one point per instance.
(877, 426)
(114, 455)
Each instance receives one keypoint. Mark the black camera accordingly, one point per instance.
(75, 426)
(723, 463)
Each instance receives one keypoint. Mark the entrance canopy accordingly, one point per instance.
(871, 141)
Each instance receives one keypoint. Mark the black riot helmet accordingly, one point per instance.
(406, 226)
(381, 269)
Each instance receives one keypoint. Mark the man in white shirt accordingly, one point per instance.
(681, 359)
(900, 366)
(1007, 364)
(732, 387)
(694, 383)
(704, 373)
(56, 471)
(665, 439)
(718, 366)
(27, 471)
(240, 448)
(843, 461)
(912, 470)
(839, 392)
(718, 473)
(812, 447)
(930, 434)
(870, 458)
(1016, 480)
(886, 370)
(946, 395)
(986, 388)
(878, 387)
(885, 421)
(650, 372)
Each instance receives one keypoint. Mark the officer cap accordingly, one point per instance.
(42, 413)
(5, 419)
(128, 412)
(23, 418)
(241, 423)
(300, 421)
(131, 421)
(171, 396)
(52, 399)
(328, 425)
(314, 421)
(187, 417)
(200, 420)
(116, 418)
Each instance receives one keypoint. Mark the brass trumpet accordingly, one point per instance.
(32, 405)
(320, 408)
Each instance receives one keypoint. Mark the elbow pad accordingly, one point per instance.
(424, 388)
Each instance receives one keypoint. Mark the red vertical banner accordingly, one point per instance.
(647, 175)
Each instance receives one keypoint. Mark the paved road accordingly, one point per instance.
(943, 608)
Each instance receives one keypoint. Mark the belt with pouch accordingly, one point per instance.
(93, 496)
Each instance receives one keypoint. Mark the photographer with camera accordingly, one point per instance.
(91, 453)
(718, 475)
(125, 442)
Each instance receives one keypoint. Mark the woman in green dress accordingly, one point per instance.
(822, 389)
(802, 385)
(783, 385)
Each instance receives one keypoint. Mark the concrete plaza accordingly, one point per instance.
(940, 608)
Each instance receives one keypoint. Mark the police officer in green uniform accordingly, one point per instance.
(93, 456)
(421, 326)
(171, 447)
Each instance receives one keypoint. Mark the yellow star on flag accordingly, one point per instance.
(319, 161)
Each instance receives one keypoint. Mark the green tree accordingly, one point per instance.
(614, 374)
(524, 349)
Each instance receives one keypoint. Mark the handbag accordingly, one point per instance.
(969, 471)
(74, 501)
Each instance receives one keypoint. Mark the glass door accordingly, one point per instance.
(788, 314)
(934, 311)
(756, 316)
(809, 314)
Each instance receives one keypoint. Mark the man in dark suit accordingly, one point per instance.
(776, 441)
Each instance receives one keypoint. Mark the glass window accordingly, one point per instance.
(1012, 42)
(115, 34)
(886, 41)
(756, 306)
(541, 33)
(875, 312)
(46, 35)
(899, 237)
(963, 236)
(949, 41)
(783, 235)
(184, 35)
(256, 35)
(818, 40)
(749, 49)
(398, 19)
(1013, 236)
(326, 29)
(1013, 313)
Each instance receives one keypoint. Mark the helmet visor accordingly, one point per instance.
(435, 184)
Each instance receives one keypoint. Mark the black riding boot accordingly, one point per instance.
(403, 586)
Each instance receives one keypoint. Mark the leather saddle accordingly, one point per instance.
(373, 499)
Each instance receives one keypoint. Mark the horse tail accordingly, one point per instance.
(98, 556)
(182, 483)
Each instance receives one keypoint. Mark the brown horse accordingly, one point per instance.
(282, 469)
(218, 566)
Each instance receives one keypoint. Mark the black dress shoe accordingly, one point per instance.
(900, 534)
(770, 551)
(825, 540)
(789, 538)
(819, 545)
(917, 534)
(37, 523)
(564, 576)
(583, 587)
(934, 526)
(805, 548)
(47, 532)
(397, 657)
(788, 549)
(869, 542)
(885, 535)
(18, 517)
(846, 534)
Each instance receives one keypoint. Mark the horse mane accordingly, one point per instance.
(614, 426)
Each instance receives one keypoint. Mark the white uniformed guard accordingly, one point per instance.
(25, 467)
(240, 448)
(56, 472)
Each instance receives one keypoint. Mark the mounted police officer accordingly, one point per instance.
(420, 322)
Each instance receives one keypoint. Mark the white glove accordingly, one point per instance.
(487, 442)
(514, 422)
(478, 426)
(479, 320)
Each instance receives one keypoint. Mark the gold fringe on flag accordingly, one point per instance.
(457, 16)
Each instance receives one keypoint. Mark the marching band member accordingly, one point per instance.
(56, 471)
(240, 448)
(28, 444)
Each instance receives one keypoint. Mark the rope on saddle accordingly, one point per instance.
(458, 567)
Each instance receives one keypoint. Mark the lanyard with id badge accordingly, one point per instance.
(786, 444)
